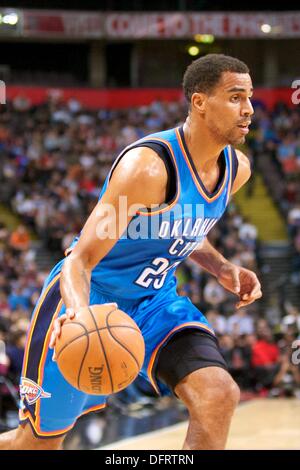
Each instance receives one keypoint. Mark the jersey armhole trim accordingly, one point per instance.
(234, 164)
(168, 206)
(229, 152)
(166, 144)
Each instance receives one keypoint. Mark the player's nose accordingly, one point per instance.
(247, 109)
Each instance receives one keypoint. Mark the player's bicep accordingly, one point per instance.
(243, 173)
(137, 182)
(100, 233)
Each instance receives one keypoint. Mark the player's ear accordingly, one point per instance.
(198, 102)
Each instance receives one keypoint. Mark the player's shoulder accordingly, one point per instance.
(243, 170)
(141, 173)
(144, 163)
(242, 158)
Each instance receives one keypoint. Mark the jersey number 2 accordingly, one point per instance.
(157, 275)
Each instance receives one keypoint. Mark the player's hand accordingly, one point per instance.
(58, 323)
(240, 281)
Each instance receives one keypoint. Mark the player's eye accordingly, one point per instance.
(235, 98)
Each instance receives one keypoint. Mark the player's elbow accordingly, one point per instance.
(78, 262)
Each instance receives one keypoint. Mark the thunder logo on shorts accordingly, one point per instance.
(32, 391)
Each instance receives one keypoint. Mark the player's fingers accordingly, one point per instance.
(52, 340)
(54, 356)
(59, 321)
(236, 281)
(55, 331)
(243, 303)
(57, 326)
(256, 291)
(250, 300)
(113, 304)
(70, 314)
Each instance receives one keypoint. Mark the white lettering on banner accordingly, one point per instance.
(208, 24)
(118, 25)
(157, 25)
(85, 25)
(178, 25)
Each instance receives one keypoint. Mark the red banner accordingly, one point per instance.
(128, 98)
(97, 99)
(159, 25)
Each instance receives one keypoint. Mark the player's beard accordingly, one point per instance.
(229, 137)
(234, 140)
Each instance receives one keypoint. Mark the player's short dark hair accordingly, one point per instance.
(203, 74)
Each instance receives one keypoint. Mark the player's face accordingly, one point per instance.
(228, 109)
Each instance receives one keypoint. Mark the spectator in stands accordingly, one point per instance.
(265, 360)
(4, 360)
(248, 233)
(3, 233)
(217, 321)
(287, 381)
(241, 323)
(15, 351)
(237, 354)
(18, 299)
(294, 219)
(213, 293)
(292, 319)
(19, 239)
(295, 277)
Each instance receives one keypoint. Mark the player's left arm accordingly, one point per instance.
(243, 172)
(236, 279)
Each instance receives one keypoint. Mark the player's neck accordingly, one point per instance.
(204, 150)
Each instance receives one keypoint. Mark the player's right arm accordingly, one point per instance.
(141, 177)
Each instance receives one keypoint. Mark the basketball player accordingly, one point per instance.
(180, 182)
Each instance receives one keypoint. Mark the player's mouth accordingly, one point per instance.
(244, 127)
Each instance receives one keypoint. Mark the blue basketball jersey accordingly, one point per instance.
(144, 259)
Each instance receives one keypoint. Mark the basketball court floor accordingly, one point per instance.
(257, 424)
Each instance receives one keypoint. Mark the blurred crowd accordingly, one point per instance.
(54, 159)
(276, 135)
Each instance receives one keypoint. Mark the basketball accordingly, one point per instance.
(101, 350)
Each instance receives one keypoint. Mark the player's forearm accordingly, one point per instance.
(75, 283)
(208, 258)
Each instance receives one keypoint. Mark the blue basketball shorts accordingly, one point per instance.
(48, 402)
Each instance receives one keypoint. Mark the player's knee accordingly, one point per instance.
(229, 393)
(210, 387)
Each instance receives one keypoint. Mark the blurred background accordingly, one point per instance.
(80, 85)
